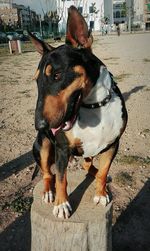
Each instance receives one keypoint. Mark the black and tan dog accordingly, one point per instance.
(80, 111)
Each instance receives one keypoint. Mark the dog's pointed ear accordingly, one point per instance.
(77, 30)
(40, 45)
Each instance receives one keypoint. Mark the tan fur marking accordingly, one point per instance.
(88, 166)
(74, 142)
(48, 70)
(105, 161)
(46, 149)
(55, 106)
(54, 109)
(61, 189)
(47, 186)
(35, 77)
(87, 85)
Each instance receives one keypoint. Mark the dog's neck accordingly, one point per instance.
(99, 95)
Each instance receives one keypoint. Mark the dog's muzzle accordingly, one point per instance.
(71, 113)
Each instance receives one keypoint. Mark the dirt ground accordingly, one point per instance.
(128, 58)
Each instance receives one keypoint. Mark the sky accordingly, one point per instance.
(37, 5)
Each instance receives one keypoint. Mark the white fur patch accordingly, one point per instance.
(48, 197)
(103, 200)
(62, 211)
(98, 128)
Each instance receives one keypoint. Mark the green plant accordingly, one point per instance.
(133, 159)
(121, 77)
(146, 60)
(21, 204)
(124, 178)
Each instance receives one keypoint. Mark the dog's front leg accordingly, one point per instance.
(44, 155)
(62, 207)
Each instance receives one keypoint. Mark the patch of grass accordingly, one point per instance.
(115, 63)
(27, 95)
(24, 92)
(147, 89)
(133, 159)
(31, 111)
(4, 51)
(146, 131)
(146, 60)
(21, 205)
(111, 58)
(121, 77)
(124, 178)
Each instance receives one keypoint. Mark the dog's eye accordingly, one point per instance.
(57, 76)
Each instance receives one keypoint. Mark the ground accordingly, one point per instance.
(128, 58)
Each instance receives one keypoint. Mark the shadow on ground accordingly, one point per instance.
(132, 230)
(17, 237)
(126, 95)
(76, 196)
(16, 165)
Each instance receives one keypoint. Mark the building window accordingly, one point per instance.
(80, 9)
(91, 9)
(123, 13)
(148, 7)
(118, 6)
(117, 14)
(91, 25)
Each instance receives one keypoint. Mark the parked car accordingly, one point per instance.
(3, 37)
(12, 35)
(23, 36)
(37, 34)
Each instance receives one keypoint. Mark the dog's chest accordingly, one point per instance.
(98, 128)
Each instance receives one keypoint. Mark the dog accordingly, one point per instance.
(80, 111)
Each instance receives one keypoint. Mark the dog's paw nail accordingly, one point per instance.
(103, 200)
(96, 199)
(48, 197)
(62, 211)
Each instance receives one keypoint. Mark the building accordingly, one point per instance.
(24, 19)
(119, 11)
(139, 13)
(147, 14)
(8, 15)
(108, 11)
(93, 12)
(17, 16)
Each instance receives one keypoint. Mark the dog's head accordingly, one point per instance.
(65, 75)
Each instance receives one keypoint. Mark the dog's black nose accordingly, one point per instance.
(41, 124)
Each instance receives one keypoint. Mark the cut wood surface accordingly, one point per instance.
(88, 228)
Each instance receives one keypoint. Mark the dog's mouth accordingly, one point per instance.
(72, 110)
(71, 113)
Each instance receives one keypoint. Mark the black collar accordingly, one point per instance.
(98, 104)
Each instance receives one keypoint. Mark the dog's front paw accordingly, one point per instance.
(48, 197)
(104, 200)
(63, 210)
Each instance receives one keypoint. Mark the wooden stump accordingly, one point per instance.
(14, 46)
(88, 228)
